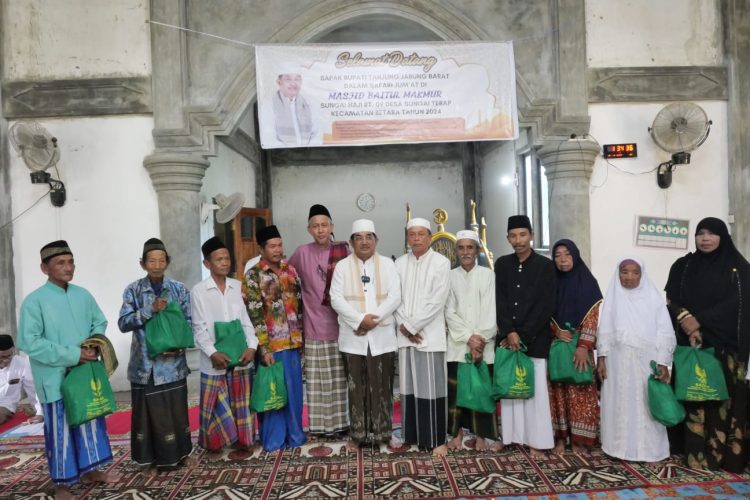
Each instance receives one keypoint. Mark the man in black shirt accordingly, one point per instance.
(525, 297)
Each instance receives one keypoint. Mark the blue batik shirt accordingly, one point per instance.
(137, 301)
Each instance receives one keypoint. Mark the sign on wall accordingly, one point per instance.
(356, 95)
(662, 232)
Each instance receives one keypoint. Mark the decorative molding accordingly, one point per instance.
(657, 83)
(176, 172)
(203, 123)
(542, 117)
(84, 97)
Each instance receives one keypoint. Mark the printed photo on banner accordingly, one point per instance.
(356, 95)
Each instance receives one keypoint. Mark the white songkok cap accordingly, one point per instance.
(419, 222)
(363, 226)
(467, 234)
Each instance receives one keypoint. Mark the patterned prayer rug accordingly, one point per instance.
(324, 469)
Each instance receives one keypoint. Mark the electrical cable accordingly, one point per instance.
(14, 219)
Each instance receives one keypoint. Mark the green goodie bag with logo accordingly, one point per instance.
(87, 393)
(698, 375)
(561, 365)
(168, 330)
(269, 388)
(474, 387)
(230, 339)
(514, 374)
(662, 401)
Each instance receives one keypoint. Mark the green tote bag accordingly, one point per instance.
(87, 393)
(698, 375)
(662, 401)
(514, 374)
(561, 366)
(474, 388)
(168, 330)
(230, 339)
(269, 388)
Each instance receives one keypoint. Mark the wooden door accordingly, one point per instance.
(244, 226)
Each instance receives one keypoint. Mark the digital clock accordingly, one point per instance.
(626, 150)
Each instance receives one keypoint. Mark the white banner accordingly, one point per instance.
(356, 95)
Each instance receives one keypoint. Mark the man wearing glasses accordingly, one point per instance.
(325, 377)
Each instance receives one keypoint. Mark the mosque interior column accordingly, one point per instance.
(177, 179)
(568, 165)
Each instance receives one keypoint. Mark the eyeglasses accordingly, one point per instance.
(367, 237)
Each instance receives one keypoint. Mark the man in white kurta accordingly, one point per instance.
(365, 292)
(470, 314)
(423, 375)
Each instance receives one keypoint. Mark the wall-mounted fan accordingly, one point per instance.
(227, 207)
(678, 129)
(39, 151)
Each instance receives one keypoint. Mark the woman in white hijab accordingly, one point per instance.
(634, 329)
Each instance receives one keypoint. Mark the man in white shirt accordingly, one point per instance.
(423, 376)
(470, 314)
(216, 302)
(15, 374)
(365, 291)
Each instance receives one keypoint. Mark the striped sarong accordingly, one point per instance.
(73, 451)
(423, 382)
(225, 416)
(326, 388)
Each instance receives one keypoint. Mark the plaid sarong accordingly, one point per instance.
(225, 410)
(326, 388)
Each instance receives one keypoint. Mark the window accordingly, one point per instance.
(534, 196)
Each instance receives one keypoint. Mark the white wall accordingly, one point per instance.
(499, 195)
(698, 190)
(425, 186)
(110, 212)
(653, 33)
(50, 39)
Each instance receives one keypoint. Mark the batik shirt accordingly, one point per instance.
(275, 306)
(136, 310)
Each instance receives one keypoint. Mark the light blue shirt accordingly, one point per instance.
(54, 323)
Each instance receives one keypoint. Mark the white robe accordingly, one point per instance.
(529, 421)
(634, 329)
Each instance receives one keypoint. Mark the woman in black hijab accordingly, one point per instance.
(575, 408)
(708, 294)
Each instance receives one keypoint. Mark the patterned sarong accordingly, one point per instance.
(160, 431)
(575, 412)
(326, 389)
(370, 396)
(225, 416)
(423, 381)
(73, 451)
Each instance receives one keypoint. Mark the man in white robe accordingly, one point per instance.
(423, 376)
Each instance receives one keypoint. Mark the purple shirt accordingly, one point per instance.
(319, 322)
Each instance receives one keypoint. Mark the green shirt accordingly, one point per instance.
(54, 323)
